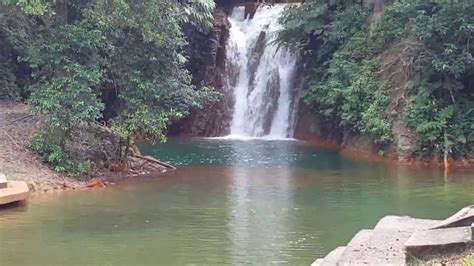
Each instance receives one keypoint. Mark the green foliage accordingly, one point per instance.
(320, 27)
(67, 76)
(67, 72)
(122, 63)
(199, 13)
(393, 24)
(343, 86)
(343, 53)
(443, 101)
(31, 7)
(16, 33)
(145, 62)
(49, 144)
(467, 260)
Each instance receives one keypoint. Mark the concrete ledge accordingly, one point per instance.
(15, 191)
(333, 257)
(464, 217)
(401, 240)
(424, 244)
(317, 262)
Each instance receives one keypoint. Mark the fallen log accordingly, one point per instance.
(153, 160)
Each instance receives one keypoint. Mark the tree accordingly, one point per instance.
(123, 63)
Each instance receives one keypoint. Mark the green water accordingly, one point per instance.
(230, 202)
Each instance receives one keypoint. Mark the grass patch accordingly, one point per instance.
(468, 260)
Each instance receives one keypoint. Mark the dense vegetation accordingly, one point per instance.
(414, 64)
(122, 65)
(118, 63)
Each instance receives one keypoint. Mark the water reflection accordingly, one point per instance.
(286, 202)
(259, 226)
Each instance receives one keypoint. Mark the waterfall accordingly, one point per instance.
(260, 74)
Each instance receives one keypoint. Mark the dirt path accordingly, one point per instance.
(17, 125)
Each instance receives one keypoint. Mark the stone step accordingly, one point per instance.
(396, 240)
(438, 242)
(3, 181)
(357, 243)
(384, 245)
(333, 257)
(404, 223)
(317, 262)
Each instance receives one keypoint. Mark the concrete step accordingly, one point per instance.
(3, 181)
(404, 223)
(395, 240)
(425, 243)
(317, 262)
(385, 244)
(333, 257)
(357, 243)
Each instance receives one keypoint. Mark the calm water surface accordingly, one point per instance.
(230, 202)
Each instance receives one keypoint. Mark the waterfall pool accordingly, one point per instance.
(229, 202)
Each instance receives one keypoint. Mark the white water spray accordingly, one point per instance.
(260, 75)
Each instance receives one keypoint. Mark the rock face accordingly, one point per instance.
(312, 127)
(395, 73)
(256, 55)
(207, 64)
(377, 8)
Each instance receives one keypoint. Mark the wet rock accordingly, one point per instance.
(311, 126)
(208, 67)
(255, 56)
(272, 95)
(396, 77)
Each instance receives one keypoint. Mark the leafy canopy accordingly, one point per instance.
(343, 55)
(120, 62)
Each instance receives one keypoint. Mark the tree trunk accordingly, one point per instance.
(61, 9)
(127, 148)
(446, 153)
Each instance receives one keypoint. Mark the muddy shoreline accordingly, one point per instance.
(19, 163)
(364, 155)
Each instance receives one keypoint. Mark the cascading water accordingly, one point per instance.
(260, 74)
